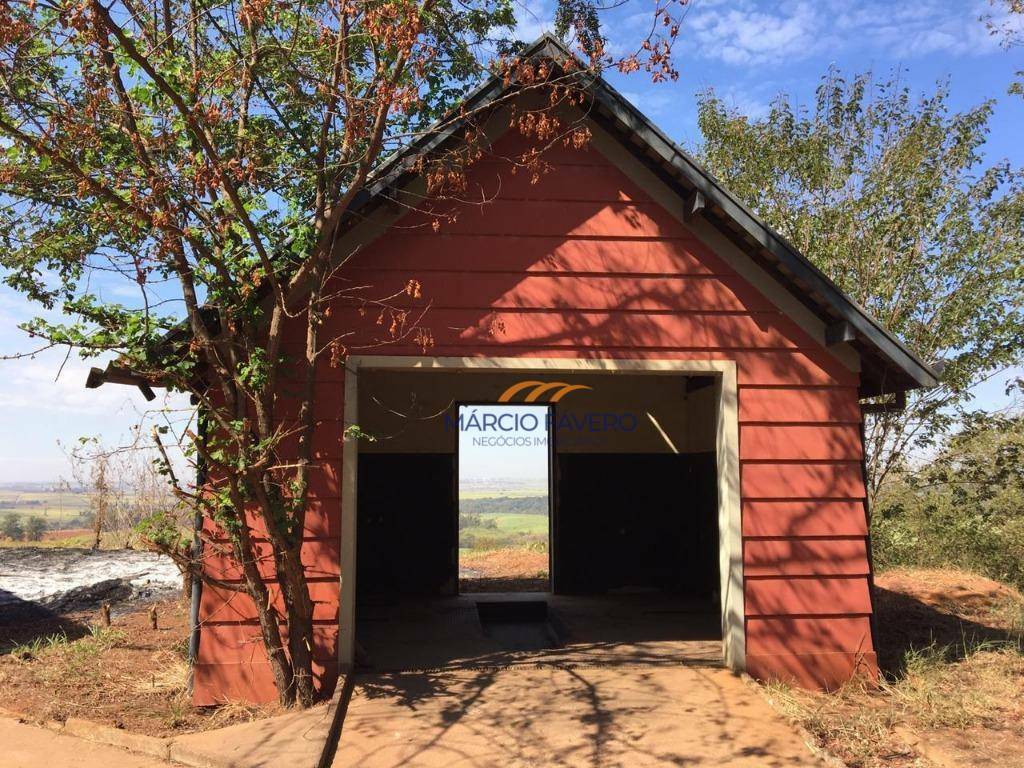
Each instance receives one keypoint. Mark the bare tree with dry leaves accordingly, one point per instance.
(203, 153)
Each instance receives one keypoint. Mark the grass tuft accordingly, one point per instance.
(169, 677)
(35, 647)
(970, 686)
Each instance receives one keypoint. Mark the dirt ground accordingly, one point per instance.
(585, 716)
(26, 746)
(952, 693)
(505, 570)
(67, 533)
(128, 676)
(76, 538)
(949, 644)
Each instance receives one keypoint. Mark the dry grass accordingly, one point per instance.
(78, 538)
(973, 688)
(169, 675)
(507, 563)
(983, 689)
(127, 676)
(868, 725)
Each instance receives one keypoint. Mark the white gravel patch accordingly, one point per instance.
(38, 574)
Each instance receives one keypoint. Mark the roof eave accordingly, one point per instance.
(797, 274)
(917, 371)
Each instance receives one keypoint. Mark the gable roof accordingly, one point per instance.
(888, 365)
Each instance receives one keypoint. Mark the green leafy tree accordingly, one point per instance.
(35, 527)
(12, 528)
(965, 507)
(892, 198)
(1010, 30)
(205, 154)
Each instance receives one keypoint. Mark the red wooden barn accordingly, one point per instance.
(714, 377)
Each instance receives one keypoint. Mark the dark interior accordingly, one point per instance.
(636, 522)
(407, 527)
(622, 523)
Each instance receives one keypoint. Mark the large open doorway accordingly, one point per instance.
(641, 516)
(504, 498)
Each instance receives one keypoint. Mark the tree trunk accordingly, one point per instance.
(102, 500)
(270, 628)
(300, 625)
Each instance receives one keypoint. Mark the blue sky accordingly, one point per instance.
(518, 451)
(747, 50)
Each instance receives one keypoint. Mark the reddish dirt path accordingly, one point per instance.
(26, 746)
(600, 716)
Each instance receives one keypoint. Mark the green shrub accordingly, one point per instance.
(12, 528)
(508, 505)
(35, 528)
(474, 520)
(965, 508)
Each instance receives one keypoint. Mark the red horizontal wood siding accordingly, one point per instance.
(323, 521)
(805, 557)
(781, 595)
(799, 635)
(828, 671)
(801, 480)
(420, 253)
(795, 442)
(583, 292)
(799, 405)
(786, 518)
(320, 558)
(583, 264)
(227, 606)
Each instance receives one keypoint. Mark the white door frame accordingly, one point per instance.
(727, 467)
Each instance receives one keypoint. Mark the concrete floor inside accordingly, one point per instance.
(502, 629)
(630, 680)
(586, 716)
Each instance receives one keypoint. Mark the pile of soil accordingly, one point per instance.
(967, 595)
(507, 563)
(128, 676)
(951, 649)
(504, 570)
(67, 533)
(919, 608)
(481, 585)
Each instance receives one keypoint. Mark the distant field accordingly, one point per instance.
(518, 493)
(77, 538)
(503, 544)
(506, 505)
(55, 508)
(528, 524)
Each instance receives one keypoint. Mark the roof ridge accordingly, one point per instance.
(833, 300)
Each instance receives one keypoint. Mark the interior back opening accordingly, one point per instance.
(504, 502)
(579, 530)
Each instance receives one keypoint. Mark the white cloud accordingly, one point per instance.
(126, 290)
(38, 409)
(652, 101)
(919, 29)
(750, 33)
(745, 34)
(747, 102)
(40, 413)
(533, 18)
(33, 383)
